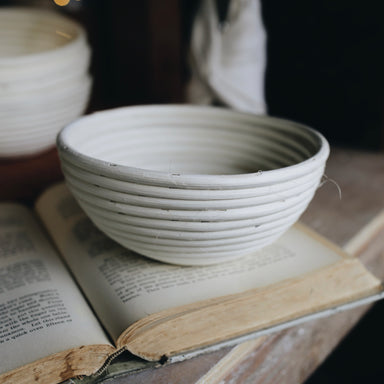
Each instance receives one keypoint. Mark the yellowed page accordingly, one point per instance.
(124, 287)
(42, 311)
(229, 317)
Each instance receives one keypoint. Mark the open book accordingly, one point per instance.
(69, 315)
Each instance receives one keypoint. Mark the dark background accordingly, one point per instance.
(325, 59)
(325, 65)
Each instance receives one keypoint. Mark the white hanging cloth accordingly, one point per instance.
(227, 61)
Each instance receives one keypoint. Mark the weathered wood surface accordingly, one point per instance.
(291, 356)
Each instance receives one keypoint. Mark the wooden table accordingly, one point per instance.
(292, 355)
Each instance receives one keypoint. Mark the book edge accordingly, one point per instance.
(371, 285)
(64, 365)
(371, 298)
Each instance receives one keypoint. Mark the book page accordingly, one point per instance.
(42, 311)
(124, 287)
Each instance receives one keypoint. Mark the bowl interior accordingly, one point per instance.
(31, 31)
(190, 141)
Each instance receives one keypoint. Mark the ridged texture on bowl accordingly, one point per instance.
(44, 80)
(191, 185)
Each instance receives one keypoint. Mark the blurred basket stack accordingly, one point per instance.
(44, 79)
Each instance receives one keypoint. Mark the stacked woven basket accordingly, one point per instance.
(44, 80)
(191, 185)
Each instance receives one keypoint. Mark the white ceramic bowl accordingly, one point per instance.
(184, 146)
(94, 190)
(227, 213)
(42, 84)
(44, 80)
(122, 220)
(28, 127)
(191, 185)
(62, 94)
(36, 42)
(104, 183)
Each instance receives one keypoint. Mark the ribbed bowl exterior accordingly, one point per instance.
(44, 80)
(191, 185)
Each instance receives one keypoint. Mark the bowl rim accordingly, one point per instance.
(78, 40)
(163, 178)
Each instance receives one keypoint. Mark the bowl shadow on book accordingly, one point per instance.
(191, 185)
